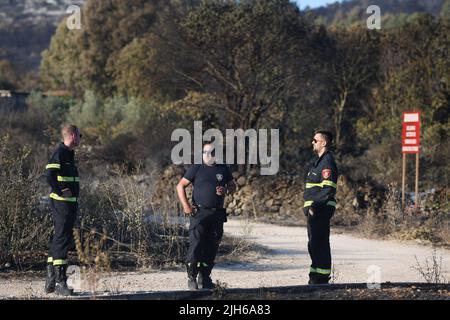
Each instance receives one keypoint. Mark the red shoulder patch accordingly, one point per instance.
(326, 173)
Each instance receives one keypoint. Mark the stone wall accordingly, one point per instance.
(280, 196)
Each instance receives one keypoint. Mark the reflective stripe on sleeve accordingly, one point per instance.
(68, 179)
(308, 204)
(327, 183)
(53, 166)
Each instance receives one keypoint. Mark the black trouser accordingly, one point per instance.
(205, 234)
(319, 240)
(64, 215)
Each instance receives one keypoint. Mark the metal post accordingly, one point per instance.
(416, 197)
(403, 181)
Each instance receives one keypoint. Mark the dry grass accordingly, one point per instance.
(135, 233)
(24, 227)
(431, 269)
(93, 257)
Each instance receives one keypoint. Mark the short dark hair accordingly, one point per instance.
(68, 128)
(327, 136)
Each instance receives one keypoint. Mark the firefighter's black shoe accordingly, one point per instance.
(204, 277)
(50, 281)
(61, 281)
(315, 278)
(192, 272)
(205, 282)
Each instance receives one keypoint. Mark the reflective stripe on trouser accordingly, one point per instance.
(63, 216)
(320, 271)
(68, 179)
(202, 264)
(319, 241)
(59, 262)
(54, 196)
(205, 234)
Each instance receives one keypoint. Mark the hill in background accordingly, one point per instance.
(26, 26)
(394, 12)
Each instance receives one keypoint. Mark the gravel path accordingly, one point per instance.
(285, 263)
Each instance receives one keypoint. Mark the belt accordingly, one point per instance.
(208, 208)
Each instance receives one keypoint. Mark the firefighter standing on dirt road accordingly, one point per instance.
(62, 176)
(319, 206)
(211, 182)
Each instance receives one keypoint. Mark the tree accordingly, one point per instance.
(8, 76)
(88, 59)
(354, 70)
(253, 54)
(414, 75)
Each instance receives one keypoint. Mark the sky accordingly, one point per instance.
(314, 3)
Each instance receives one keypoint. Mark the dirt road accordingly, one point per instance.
(285, 263)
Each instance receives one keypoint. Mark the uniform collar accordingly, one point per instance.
(321, 157)
(62, 145)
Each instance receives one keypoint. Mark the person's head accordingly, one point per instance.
(209, 154)
(322, 141)
(71, 135)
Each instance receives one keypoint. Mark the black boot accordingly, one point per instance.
(51, 279)
(61, 281)
(192, 272)
(312, 278)
(315, 278)
(204, 277)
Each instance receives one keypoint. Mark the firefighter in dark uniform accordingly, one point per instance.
(62, 176)
(211, 183)
(319, 206)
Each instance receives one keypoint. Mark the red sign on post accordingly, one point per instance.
(411, 132)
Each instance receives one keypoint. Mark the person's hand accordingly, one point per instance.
(188, 210)
(221, 191)
(66, 193)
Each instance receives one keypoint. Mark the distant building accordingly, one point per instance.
(12, 100)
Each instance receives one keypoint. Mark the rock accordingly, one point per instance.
(241, 181)
(274, 209)
(268, 203)
(277, 203)
(235, 175)
(247, 207)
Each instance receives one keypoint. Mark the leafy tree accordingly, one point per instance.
(252, 54)
(354, 69)
(414, 76)
(8, 76)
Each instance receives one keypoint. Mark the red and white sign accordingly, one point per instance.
(411, 132)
